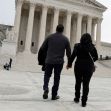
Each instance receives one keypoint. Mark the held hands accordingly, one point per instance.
(68, 67)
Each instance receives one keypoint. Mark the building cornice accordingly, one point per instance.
(87, 3)
(73, 6)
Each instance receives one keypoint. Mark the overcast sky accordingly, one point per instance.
(7, 14)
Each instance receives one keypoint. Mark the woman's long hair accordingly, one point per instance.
(86, 42)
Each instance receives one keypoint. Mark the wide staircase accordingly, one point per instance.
(26, 62)
(29, 63)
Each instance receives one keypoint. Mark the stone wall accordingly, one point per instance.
(105, 49)
(3, 31)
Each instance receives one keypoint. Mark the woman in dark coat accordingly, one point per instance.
(84, 52)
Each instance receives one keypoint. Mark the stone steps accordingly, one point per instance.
(26, 62)
(29, 63)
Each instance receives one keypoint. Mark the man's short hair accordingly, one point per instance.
(60, 28)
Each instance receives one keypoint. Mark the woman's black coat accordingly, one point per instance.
(83, 59)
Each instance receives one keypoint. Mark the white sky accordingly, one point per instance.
(106, 26)
(7, 14)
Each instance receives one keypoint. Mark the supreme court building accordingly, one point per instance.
(36, 19)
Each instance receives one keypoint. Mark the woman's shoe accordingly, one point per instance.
(45, 95)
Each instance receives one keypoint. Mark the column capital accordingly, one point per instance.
(94, 21)
(80, 15)
(89, 17)
(56, 9)
(69, 12)
(32, 5)
(45, 7)
(99, 20)
(20, 2)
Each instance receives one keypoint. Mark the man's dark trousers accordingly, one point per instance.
(48, 72)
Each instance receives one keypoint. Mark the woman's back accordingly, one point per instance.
(82, 52)
(83, 59)
(85, 53)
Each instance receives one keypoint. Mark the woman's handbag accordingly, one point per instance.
(94, 67)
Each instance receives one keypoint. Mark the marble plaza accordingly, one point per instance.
(22, 91)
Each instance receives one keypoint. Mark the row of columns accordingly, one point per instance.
(55, 23)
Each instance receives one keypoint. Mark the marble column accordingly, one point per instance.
(55, 20)
(73, 35)
(64, 17)
(89, 24)
(79, 26)
(98, 34)
(17, 19)
(43, 25)
(68, 25)
(93, 31)
(30, 28)
(84, 27)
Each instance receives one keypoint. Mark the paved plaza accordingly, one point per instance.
(22, 91)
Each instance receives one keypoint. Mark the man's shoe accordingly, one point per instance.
(76, 100)
(55, 97)
(45, 95)
(84, 104)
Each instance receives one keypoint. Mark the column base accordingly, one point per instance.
(27, 52)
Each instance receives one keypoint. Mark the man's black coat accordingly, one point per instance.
(53, 49)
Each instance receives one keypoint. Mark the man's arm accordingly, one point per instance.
(44, 46)
(42, 52)
(68, 50)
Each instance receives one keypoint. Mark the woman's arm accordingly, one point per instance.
(71, 59)
(94, 54)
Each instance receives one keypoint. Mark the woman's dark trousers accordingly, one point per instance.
(48, 72)
(82, 77)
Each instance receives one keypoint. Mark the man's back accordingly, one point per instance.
(57, 43)
(55, 46)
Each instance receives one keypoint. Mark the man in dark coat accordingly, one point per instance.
(55, 45)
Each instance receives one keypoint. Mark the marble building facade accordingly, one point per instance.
(36, 19)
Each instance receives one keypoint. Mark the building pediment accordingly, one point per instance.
(95, 4)
(90, 3)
